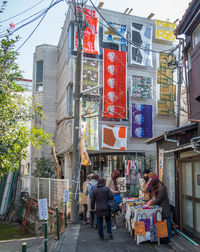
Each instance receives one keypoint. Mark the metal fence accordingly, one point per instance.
(41, 188)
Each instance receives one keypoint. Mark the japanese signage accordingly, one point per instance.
(114, 84)
(164, 30)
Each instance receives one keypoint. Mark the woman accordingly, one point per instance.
(160, 198)
(84, 200)
(112, 184)
(144, 185)
(100, 197)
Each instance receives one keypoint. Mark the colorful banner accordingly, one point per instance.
(165, 72)
(114, 137)
(91, 35)
(90, 111)
(165, 107)
(110, 36)
(114, 84)
(167, 92)
(161, 163)
(142, 87)
(164, 30)
(141, 40)
(142, 120)
(90, 75)
(85, 160)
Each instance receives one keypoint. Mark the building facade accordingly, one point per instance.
(113, 140)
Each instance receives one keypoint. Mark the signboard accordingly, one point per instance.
(66, 196)
(43, 209)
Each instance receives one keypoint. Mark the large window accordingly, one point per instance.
(69, 100)
(196, 36)
(39, 75)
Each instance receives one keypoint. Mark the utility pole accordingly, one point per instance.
(76, 161)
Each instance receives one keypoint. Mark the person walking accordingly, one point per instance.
(89, 191)
(112, 184)
(84, 200)
(160, 198)
(102, 194)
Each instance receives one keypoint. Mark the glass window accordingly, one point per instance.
(39, 75)
(70, 41)
(197, 208)
(196, 36)
(187, 216)
(187, 178)
(197, 179)
(69, 100)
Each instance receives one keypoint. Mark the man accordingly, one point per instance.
(88, 191)
(84, 200)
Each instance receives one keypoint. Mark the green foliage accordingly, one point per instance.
(44, 167)
(15, 112)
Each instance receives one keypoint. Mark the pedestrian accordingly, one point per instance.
(84, 201)
(144, 186)
(102, 194)
(160, 198)
(112, 184)
(88, 191)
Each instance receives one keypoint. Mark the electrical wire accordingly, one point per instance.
(21, 12)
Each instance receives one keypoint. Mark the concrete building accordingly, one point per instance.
(53, 85)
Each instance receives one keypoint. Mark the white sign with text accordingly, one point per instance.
(43, 209)
(66, 196)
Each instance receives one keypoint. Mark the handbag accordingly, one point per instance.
(153, 233)
(113, 206)
(139, 227)
(146, 221)
(118, 198)
(161, 227)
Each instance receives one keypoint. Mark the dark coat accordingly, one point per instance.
(163, 201)
(101, 195)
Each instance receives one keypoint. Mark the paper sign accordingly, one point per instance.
(43, 209)
(66, 196)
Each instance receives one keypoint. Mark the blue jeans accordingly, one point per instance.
(168, 220)
(100, 225)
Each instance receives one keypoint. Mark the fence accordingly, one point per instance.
(41, 188)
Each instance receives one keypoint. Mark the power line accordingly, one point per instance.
(21, 12)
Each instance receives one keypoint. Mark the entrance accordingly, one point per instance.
(190, 196)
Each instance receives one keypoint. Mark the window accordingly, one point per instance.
(196, 36)
(69, 100)
(39, 75)
(70, 41)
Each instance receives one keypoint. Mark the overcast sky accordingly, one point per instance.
(49, 30)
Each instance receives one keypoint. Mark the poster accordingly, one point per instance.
(142, 87)
(114, 84)
(164, 30)
(43, 209)
(91, 35)
(142, 121)
(142, 44)
(109, 35)
(90, 111)
(90, 75)
(114, 137)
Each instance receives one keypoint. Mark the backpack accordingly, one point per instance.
(92, 190)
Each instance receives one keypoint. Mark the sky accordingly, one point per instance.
(48, 32)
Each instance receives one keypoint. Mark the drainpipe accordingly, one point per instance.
(170, 140)
(193, 141)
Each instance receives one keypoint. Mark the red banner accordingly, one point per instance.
(114, 84)
(91, 35)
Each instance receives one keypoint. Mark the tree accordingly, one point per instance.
(44, 167)
(15, 111)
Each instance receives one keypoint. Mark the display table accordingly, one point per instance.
(135, 210)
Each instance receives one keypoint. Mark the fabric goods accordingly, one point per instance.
(146, 221)
(161, 227)
(115, 100)
(139, 227)
(142, 87)
(164, 30)
(118, 198)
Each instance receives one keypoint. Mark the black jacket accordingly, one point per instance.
(102, 194)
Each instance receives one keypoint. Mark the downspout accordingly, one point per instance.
(170, 140)
(195, 148)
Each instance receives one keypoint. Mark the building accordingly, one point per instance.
(178, 149)
(113, 139)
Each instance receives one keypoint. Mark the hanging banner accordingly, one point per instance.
(142, 44)
(165, 108)
(114, 137)
(90, 110)
(85, 160)
(164, 30)
(161, 164)
(167, 92)
(91, 34)
(142, 87)
(110, 36)
(142, 121)
(165, 72)
(114, 84)
(90, 75)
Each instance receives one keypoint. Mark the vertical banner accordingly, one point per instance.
(90, 75)
(114, 137)
(114, 84)
(142, 44)
(91, 35)
(142, 121)
(85, 160)
(142, 87)
(161, 164)
(164, 30)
